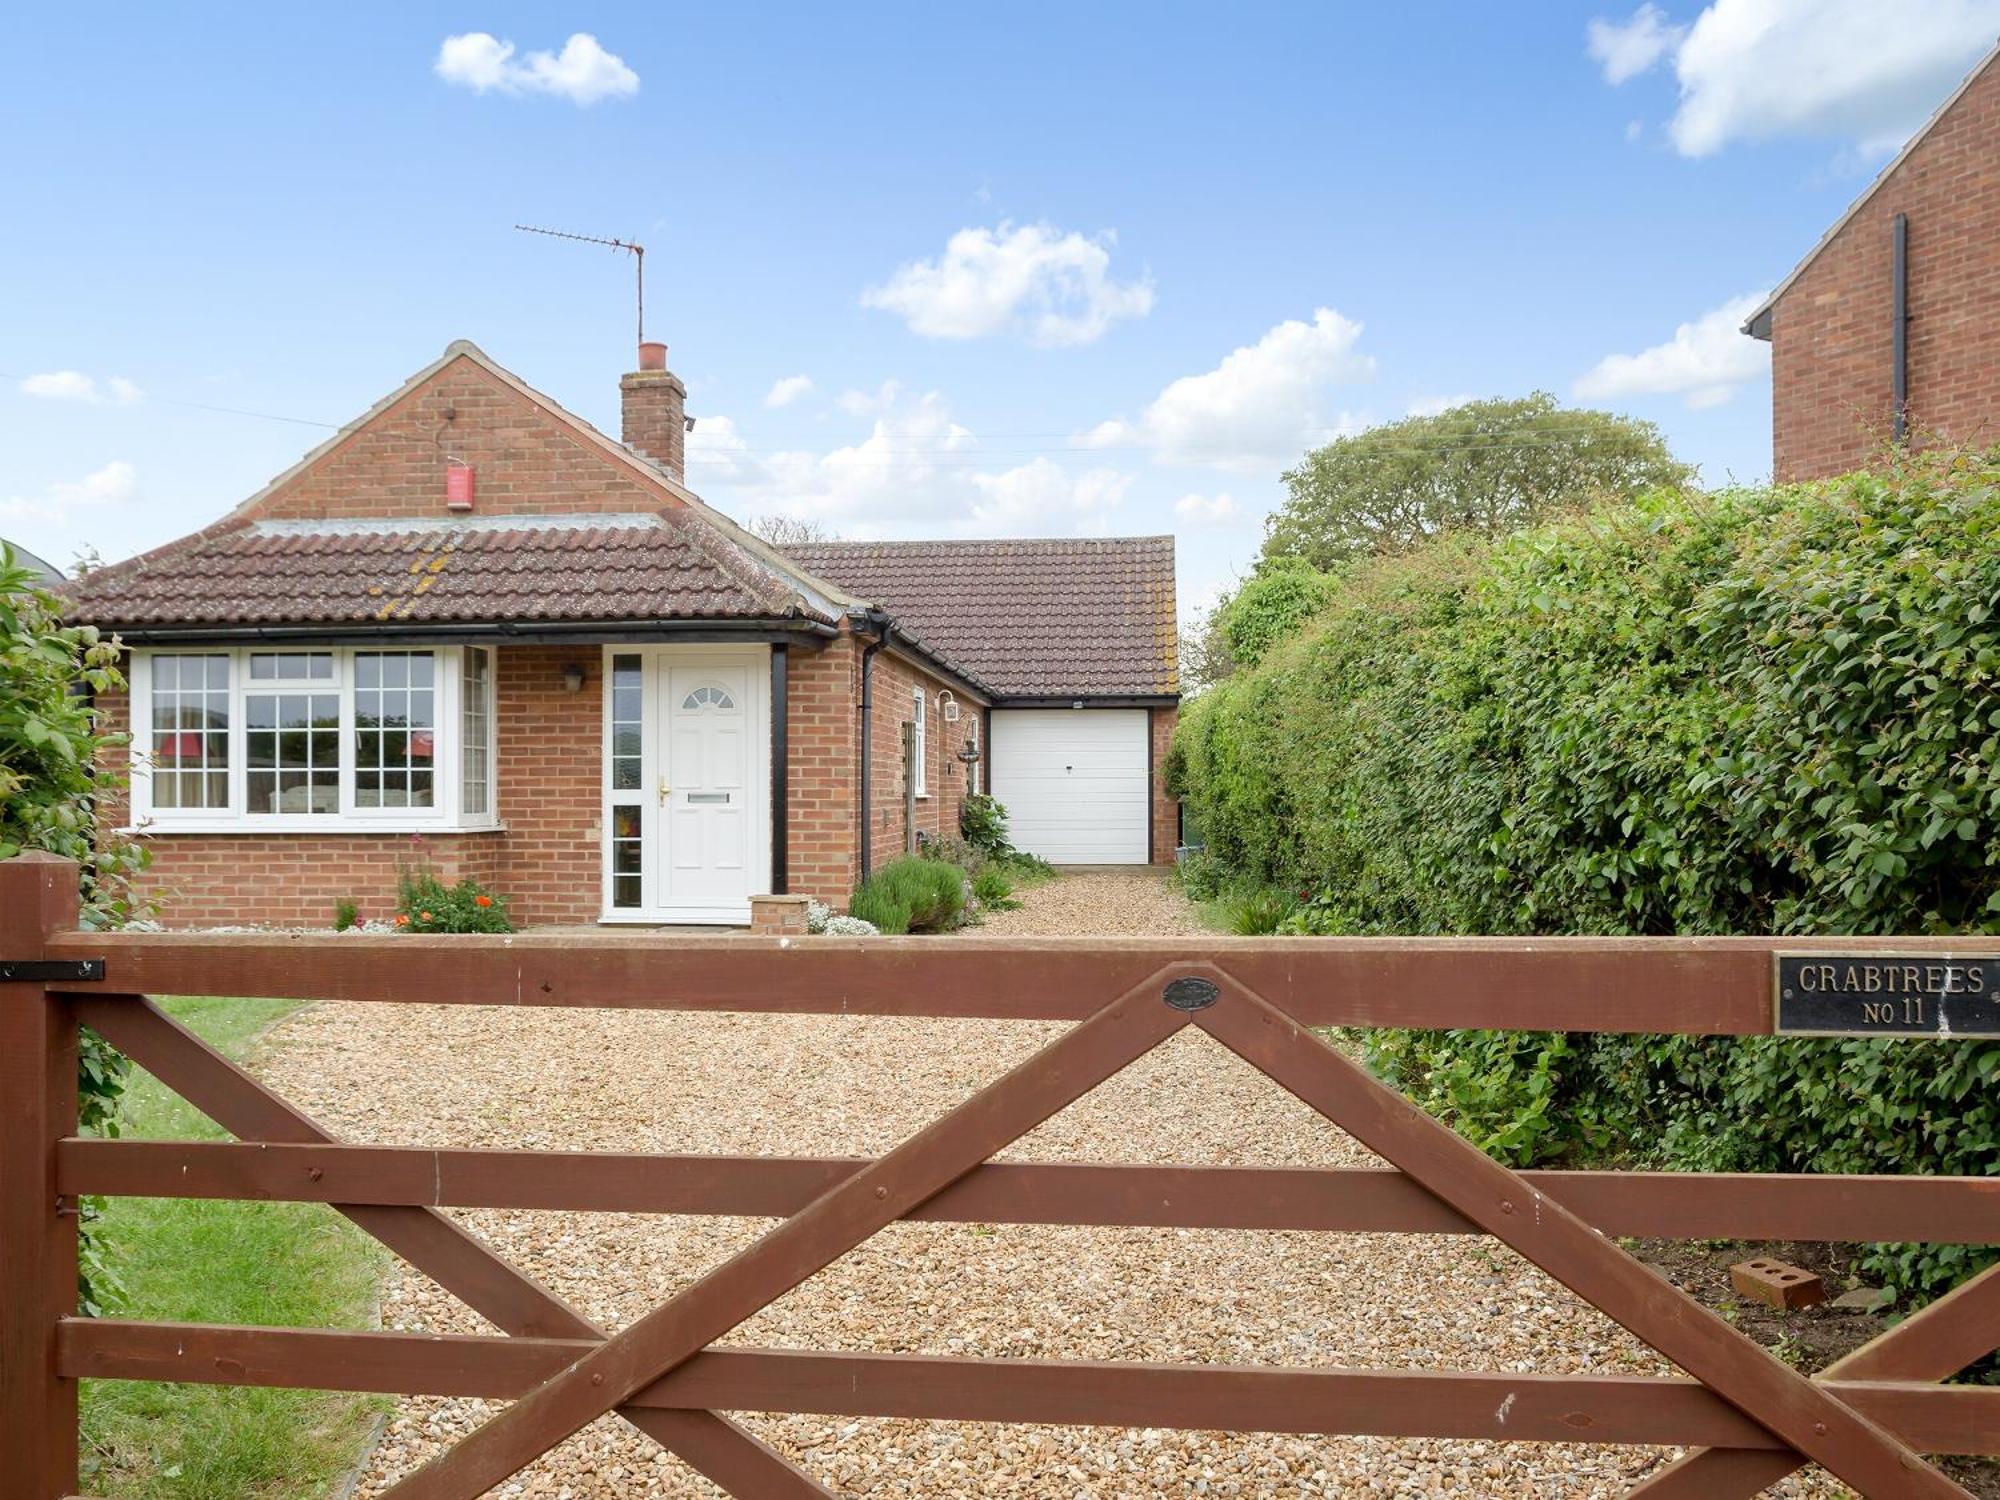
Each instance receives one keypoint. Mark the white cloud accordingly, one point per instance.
(869, 403)
(717, 449)
(906, 468)
(583, 72)
(1259, 408)
(1431, 406)
(1042, 495)
(114, 482)
(916, 472)
(1706, 362)
(1628, 48)
(1208, 510)
(74, 385)
(1861, 71)
(1049, 287)
(787, 390)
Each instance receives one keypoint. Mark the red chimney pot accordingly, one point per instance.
(652, 356)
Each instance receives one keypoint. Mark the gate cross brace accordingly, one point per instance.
(810, 1240)
(714, 1445)
(1811, 1419)
(1933, 1344)
(1500, 1201)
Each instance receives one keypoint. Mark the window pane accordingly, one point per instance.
(190, 717)
(476, 733)
(291, 747)
(626, 826)
(627, 723)
(395, 728)
(291, 666)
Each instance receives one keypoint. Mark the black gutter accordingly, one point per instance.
(802, 632)
(780, 765)
(884, 628)
(1899, 331)
(1085, 700)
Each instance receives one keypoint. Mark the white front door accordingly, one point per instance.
(705, 739)
(687, 765)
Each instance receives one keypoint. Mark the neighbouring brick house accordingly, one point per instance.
(1896, 312)
(472, 629)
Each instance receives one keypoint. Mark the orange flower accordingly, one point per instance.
(426, 916)
(402, 919)
(482, 900)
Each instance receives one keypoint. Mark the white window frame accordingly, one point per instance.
(490, 713)
(443, 814)
(920, 741)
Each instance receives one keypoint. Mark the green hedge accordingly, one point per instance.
(1772, 710)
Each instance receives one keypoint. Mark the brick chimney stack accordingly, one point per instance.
(654, 404)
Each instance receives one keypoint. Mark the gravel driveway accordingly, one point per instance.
(807, 1085)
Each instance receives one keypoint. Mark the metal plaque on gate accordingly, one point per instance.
(1886, 994)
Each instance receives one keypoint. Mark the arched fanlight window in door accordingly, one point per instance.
(710, 695)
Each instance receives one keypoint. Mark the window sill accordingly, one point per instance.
(341, 826)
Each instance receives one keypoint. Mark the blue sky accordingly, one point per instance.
(1046, 269)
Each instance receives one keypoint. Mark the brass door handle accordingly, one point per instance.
(664, 789)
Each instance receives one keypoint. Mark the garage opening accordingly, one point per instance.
(1075, 782)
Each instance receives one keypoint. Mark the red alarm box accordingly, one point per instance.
(458, 486)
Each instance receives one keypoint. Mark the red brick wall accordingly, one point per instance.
(546, 861)
(1166, 811)
(525, 461)
(822, 695)
(551, 782)
(1831, 372)
(895, 705)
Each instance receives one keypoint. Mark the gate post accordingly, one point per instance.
(38, 1238)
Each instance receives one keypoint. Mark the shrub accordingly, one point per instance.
(1765, 711)
(51, 776)
(1256, 913)
(424, 903)
(912, 894)
(983, 823)
(968, 856)
(345, 914)
(839, 926)
(993, 889)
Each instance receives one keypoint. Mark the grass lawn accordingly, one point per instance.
(298, 1264)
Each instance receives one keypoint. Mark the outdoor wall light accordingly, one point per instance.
(573, 678)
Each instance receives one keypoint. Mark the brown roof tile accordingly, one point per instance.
(640, 567)
(1082, 617)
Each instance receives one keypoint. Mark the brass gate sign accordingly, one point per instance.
(1886, 994)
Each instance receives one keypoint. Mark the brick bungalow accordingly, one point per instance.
(1893, 319)
(471, 627)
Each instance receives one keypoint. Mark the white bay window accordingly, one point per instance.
(313, 739)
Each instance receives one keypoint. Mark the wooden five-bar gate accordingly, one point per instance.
(1747, 1417)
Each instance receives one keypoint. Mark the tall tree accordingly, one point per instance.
(1486, 466)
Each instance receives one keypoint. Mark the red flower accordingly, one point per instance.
(482, 900)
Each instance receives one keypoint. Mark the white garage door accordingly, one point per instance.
(1073, 781)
